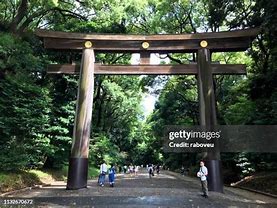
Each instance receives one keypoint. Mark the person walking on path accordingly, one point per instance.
(103, 171)
(158, 169)
(136, 170)
(131, 168)
(112, 175)
(150, 170)
(202, 174)
(125, 169)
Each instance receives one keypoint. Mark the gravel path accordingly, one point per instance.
(165, 190)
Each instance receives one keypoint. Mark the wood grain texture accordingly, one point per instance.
(208, 120)
(185, 69)
(251, 32)
(81, 131)
(185, 43)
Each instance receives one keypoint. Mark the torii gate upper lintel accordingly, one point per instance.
(201, 43)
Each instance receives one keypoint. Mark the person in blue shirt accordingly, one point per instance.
(111, 175)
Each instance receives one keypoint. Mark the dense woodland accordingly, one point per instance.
(37, 110)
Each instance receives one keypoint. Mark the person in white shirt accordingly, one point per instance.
(136, 170)
(202, 174)
(103, 171)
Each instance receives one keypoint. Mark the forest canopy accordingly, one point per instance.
(37, 110)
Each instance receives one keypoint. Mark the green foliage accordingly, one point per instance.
(17, 180)
(37, 111)
(117, 104)
(23, 123)
(177, 104)
(243, 162)
(23, 107)
(93, 172)
(63, 91)
(103, 150)
(16, 56)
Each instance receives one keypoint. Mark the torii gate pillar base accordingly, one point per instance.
(77, 173)
(215, 180)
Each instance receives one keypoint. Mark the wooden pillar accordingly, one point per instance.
(207, 110)
(78, 163)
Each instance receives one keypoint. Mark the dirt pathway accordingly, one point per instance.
(165, 190)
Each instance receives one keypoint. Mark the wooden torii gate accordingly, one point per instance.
(201, 43)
